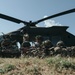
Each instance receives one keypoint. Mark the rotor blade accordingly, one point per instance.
(56, 15)
(12, 19)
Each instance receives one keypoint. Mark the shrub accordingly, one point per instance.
(9, 67)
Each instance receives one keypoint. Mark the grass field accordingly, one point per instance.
(37, 66)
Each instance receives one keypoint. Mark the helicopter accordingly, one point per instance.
(54, 33)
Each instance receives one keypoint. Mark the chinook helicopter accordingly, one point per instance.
(54, 33)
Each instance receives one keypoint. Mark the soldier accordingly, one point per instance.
(60, 48)
(36, 51)
(38, 40)
(6, 43)
(47, 44)
(26, 42)
(25, 45)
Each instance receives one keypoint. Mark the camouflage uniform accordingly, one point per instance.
(60, 48)
(25, 45)
(47, 47)
(6, 43)
(39, 40)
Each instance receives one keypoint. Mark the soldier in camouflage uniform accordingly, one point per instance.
(38, 45)
(25, 45)
(47, 45)
(60, 48)
(6, 43)
(38, 40)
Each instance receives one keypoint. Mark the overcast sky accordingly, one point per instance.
(34, 10)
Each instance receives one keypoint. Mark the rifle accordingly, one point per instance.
(4, 37)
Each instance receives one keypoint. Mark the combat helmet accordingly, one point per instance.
(60, 44)
(47, 43)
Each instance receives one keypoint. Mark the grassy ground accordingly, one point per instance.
(37, 66)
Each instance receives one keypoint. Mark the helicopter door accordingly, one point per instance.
(55, 39)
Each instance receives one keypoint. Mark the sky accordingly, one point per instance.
(33, 10)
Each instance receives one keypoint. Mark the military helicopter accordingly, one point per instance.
(54, 33)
